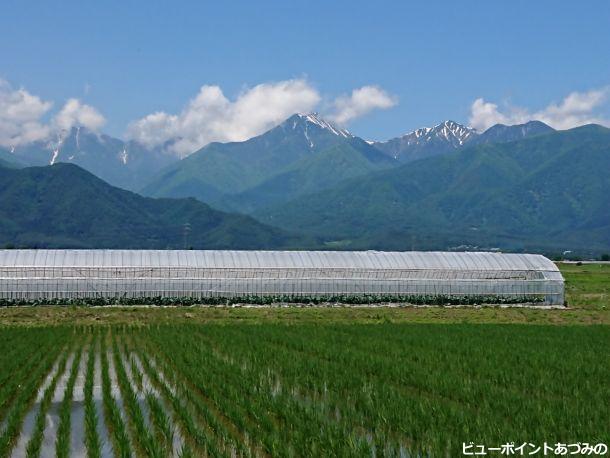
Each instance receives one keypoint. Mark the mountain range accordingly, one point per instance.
(126, 164)
(303, 154)
(313, 184)
(547, 192)
(449, 136)
(64, 206)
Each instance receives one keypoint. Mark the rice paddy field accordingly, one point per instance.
(279, 390)
(304, 382)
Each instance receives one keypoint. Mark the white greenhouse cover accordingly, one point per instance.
(221, 259)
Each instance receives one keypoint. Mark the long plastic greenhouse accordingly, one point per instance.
(297, 276)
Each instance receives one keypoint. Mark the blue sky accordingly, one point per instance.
(128, 59)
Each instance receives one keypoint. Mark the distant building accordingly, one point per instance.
(417, 277)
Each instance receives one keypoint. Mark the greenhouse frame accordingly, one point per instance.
(29, 275)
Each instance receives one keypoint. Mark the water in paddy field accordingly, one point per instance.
(52, 418)
(142, 387)
(99, 408)
(140, 394)
(177, 440)
(77, 416)
(30, 418)
(116, 391)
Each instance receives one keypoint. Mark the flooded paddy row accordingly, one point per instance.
(390, 390)
(68, 413)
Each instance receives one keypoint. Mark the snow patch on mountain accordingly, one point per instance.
(56, 147)
(123, 156)
(428, 141)
(314, 118)
(449, 131)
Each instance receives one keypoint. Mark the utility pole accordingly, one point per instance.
(186, 230)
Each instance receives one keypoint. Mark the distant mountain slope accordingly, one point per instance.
(303, 154)
(449, 136)
(547, 191)
(6, 164)
(65, 206)
(501, 133)
(125, 164)
(311, 174)
(8, 159)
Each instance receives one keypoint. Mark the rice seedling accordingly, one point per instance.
(161, 421)
(200, 438)
(225, 434)
(20, 359)
(146, 442)
(112, 413)
(27, 391)
(309, 389)
(185, 452)
(62, 442)
(373, 387)
(92, 438)
(33, 447)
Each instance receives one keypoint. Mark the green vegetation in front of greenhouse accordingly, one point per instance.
(278, 300)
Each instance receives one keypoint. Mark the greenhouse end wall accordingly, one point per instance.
(29, 275)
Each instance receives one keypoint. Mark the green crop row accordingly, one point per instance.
(62, 441)
(35, 442)
(21, 390)
(145, 441)
(92, 438)
(112, 412)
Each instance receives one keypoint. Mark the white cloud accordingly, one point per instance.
(576, 109)
(210, 116)
(76, 113)
(360, 102)
(20, 114)
(22, 117)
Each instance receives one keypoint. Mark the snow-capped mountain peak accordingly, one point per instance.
(428, 141)
(316, 119)
(449, 131)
